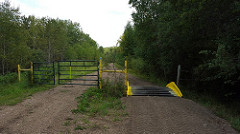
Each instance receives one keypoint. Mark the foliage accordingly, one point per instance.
(11, 94)
(226, 110)
(8, 78)
(24, 39)
(202, 36)
(100, 101)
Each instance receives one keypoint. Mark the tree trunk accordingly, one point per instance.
(3, 59)
(49, 50)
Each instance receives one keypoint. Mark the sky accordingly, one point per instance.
(103, 20)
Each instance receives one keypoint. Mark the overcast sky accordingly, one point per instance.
(103, 20)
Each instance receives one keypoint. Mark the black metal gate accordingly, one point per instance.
(78, 72)
(44, 73)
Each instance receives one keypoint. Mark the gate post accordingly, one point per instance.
(178, 74)
(125, 73)
(100, 75)
(31, 69)
(19, 73)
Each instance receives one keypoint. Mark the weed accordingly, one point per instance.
(11, 94)
(95, 126)
(8, 78)
(67, 123)
(69, 118)
(117, 119)
(79, 127)
(85, 121)
(97, 102)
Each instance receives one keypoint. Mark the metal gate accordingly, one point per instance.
(44, 73)
(78, 72)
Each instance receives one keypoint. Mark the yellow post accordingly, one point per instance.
(100, 75)
(31, 68)
(126, 74)
(19, 73)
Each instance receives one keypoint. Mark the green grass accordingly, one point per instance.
(95, 102)
(228, 111)
(67, 123)
(101, 102)
(11, 94)
(79, 127)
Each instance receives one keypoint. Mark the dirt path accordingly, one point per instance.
(46, 112)
(172, 115)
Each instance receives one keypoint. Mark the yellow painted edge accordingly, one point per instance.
(175, 88)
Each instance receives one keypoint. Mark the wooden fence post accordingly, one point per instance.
(178, 74)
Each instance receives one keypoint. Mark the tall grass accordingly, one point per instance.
(229, 111)
(101, 101)
(8, 78)
(14, 92)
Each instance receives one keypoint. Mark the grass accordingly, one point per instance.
(103, 103)
(94, 102)
(228, 111)
(79, 127)
(67, 123)
(11, 94)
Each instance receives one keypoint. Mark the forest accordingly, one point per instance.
(201, 36)
(26, 38)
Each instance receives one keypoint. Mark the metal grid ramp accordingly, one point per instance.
(151, 91)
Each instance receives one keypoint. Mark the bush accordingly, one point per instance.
(99, 101)
(114, 89)
(137, 64)
(8, 78)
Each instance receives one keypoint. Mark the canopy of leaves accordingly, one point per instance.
(24, 39)
(202, 36)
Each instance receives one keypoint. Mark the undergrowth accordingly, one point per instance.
(101, 101)
(13, 92)
(228, 111)
(104, 103)
(148, 77)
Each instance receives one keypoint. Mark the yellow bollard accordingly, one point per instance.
(126, 74)
(31, 69)
(19, 73)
